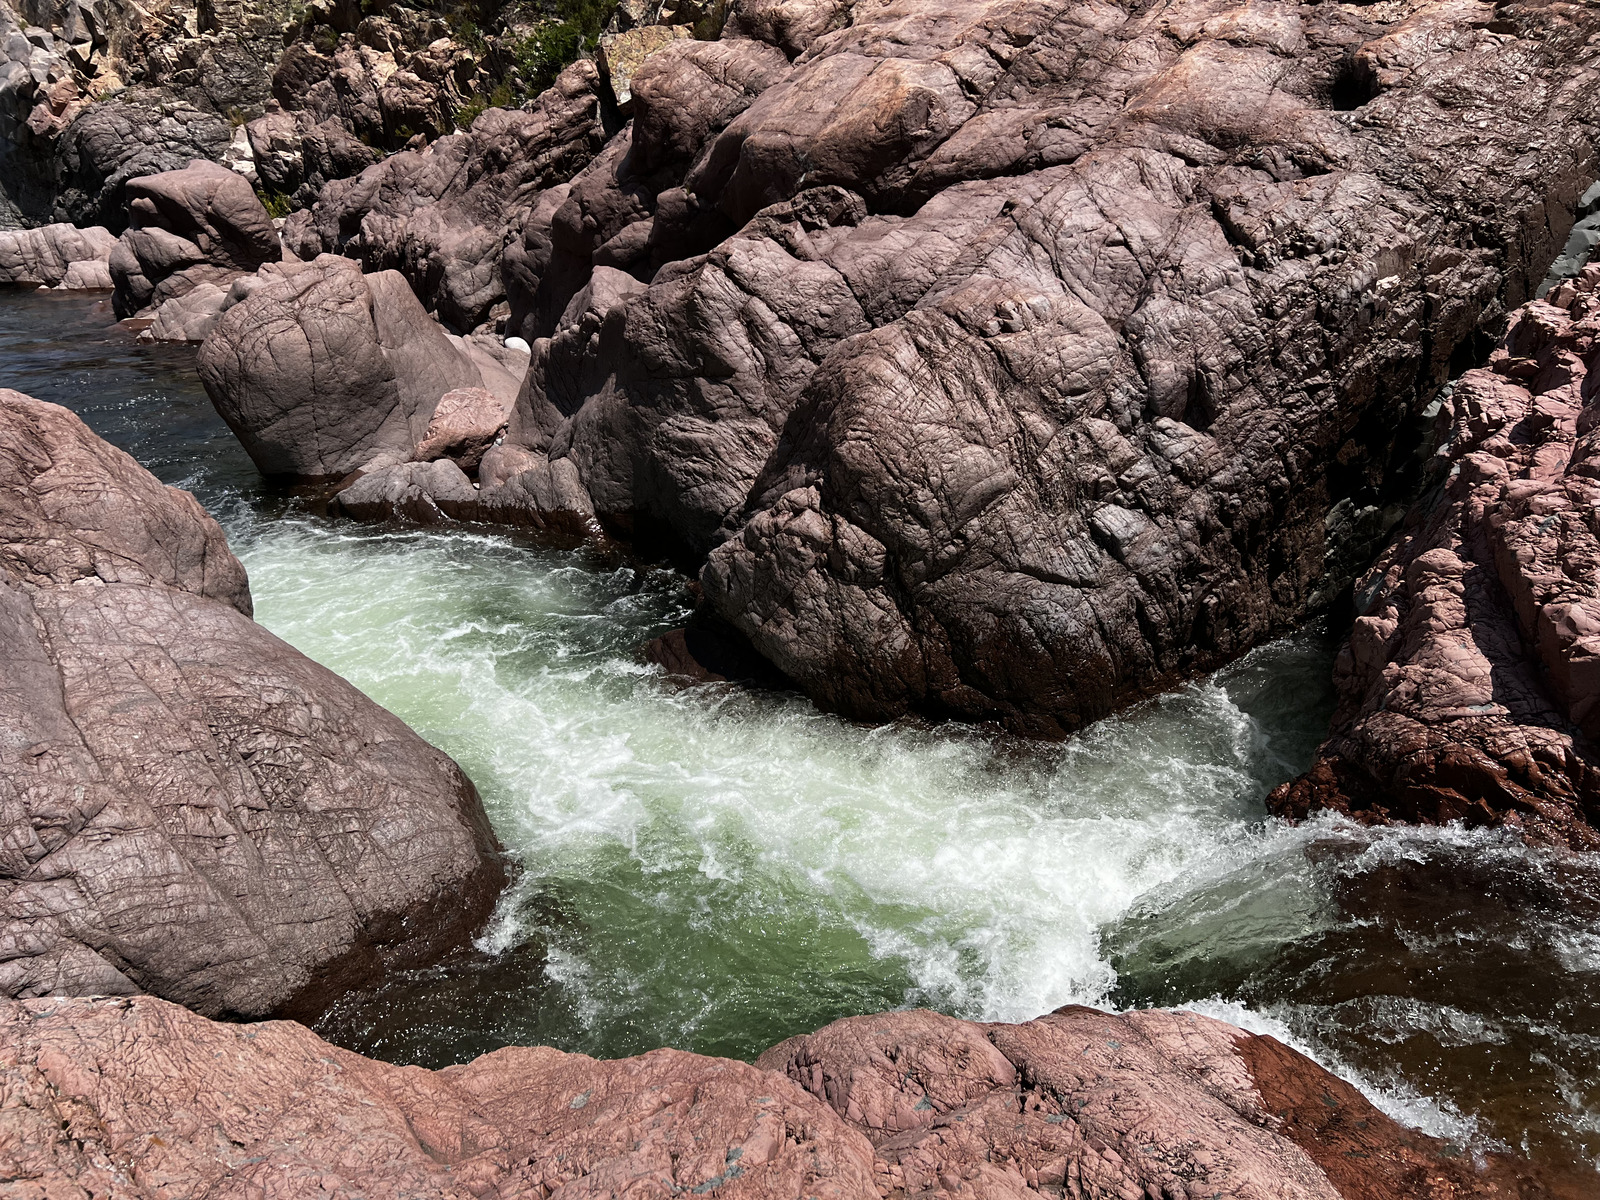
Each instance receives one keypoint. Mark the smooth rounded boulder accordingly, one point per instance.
(193, 808)
(322, 370)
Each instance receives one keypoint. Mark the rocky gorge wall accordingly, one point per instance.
(1005, 362)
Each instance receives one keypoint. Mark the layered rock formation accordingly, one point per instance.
(191, 234)
(193, 808)
(1470, 686)
(143, 1098)
(1055, 355)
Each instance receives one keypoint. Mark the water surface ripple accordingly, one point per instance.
(716, 869)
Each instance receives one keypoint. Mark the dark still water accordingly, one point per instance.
(716, 869)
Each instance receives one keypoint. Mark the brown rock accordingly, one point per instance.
(153, 1100)
(1012, 364)
(98, 1092)
(193, 808)
(1470, 686)
(322, 370)
(464, 425)
(46, 256)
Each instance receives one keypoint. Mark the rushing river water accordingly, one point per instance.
(716, 869)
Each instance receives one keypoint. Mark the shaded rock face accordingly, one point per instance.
(295, 155)
(1470, 686)
(1079, 1103)
(323, 370)
(56, 256)
(196, 810)
(1060, 353)
(443, 215)
(104, 91)
(192, 233)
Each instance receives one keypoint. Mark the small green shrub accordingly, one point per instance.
(276, 203)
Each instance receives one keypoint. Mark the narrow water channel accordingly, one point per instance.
(717, 869)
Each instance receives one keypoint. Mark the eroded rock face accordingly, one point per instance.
(295, 155)
(1079, 1103)
(195, 809)
(1061, 353)
(56, 256)
(443, 215)
(322, 370)
(1470, 686)
(191, 234)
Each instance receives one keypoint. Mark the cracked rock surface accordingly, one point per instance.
(1014, 360)
(1469, 688)
(139, 1098)
(195, 809)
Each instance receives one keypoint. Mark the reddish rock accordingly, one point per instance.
(1470, 686)
(191, 807)
(142, 1099)
(464, 425)
(46, 256)
(139, 1098)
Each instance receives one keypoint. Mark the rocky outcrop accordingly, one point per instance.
(191, 234)
(56, 256)
(323, 370)
(104, 91)
(442, 215)
(194, 809)
(1058, 356)
(295, 155)
(1470, 686)
(1080, 1103)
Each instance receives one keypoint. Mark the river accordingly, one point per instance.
(715, 869)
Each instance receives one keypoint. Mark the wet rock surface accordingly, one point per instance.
(1078, 1103)
(195, 809)
(1470, 685)
(1014, 363)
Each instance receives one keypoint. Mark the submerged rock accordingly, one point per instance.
(1470, 686)
(193, 808)
(1078, 1103)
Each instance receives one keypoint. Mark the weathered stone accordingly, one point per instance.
(45, 257)
(322, 370)
(1053, 344)
(620, 55)
(1078, 1103)
(1469, 689)
(195, 809)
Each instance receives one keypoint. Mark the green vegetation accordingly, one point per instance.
(276, 203)
(556, 42)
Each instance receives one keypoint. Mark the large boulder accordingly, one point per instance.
(1469, 689)
(141, 1098)
(193, 808)
(201, 226)
(323, 370)
(57, 255)
(1059, 355)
